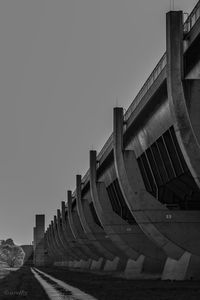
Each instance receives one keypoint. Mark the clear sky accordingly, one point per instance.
(63, 64)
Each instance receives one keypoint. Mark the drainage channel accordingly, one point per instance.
(59, 290)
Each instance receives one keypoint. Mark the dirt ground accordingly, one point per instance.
(106, 288)
(21, 285)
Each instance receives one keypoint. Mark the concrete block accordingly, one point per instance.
(96, 264)
(111, 265)
(134, 267)
(176, 269)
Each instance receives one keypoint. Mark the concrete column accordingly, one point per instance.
(188, 265)
(52, 242)
(34, 243)
(74, 246)
(57, 241)
(48, 254)
(77, 231)
(108, 219)
(56, 246)
(184, 130)
(50, 245)
(132, 187)
(95, 236)
(65, 245)
(39, 240)
(92, 241)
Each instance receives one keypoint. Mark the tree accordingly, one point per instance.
(11, 254)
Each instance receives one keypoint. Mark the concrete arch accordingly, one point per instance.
(51, 242)
(184, 130)
(50, 250)
(102, 251)
(57, 240)
(78, 232)
(70, 254)
(70, 238)
(49, 256)
(55, 245)
(113, 225)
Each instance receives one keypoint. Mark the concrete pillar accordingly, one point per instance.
(73, 245)
(132, 187)
(91, 229)
(57, 240)
(77, 231)
(108, 219)
(34, 243)
(39, 240)
(187, 135)
(63, 241)
(48, 255)
(93, 244)
(50, 245)
(56, 247)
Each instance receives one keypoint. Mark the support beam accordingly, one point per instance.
(65, 245)
(49, 248)
(39, 240)
(55, 246)
(141, 204)
(77, 230)
(74, 246)
(111, 222)
(58, 241)
(97, 236)
(175, 87)
(49, 244)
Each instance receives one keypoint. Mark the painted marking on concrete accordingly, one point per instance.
(168, 216)
(60, 290)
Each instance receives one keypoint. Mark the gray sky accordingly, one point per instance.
(63, 63)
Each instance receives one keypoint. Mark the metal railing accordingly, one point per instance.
(151, 79)
(192, 18)
(187, 26)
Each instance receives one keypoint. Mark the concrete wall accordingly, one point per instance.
(154, 242)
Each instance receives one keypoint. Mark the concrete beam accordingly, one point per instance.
(49, 249)
(58, 241)
(185, 133)
(141, 204)
(65, 244)
(56, 248)
(50, 244)
(97, 237)
(39, 240)
(69, 236)
(77, 231)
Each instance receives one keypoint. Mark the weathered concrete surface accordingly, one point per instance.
(162, 239)
(70, 237)
(39, 240)
(78, 232)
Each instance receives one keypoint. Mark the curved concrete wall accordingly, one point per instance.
(122, 217)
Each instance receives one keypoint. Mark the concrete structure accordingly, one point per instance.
(39, 256)
(28, 250)
(136, 212)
